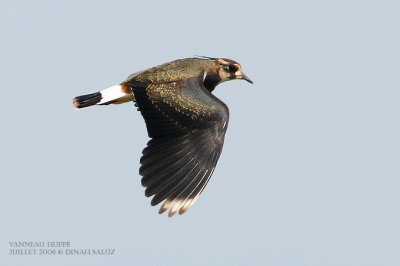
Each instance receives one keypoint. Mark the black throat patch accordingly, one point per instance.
(211, 80)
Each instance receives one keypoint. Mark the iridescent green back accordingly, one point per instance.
(173, 71)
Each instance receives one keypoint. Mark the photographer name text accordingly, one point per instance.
(33, 248)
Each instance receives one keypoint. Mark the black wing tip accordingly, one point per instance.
(86, 100)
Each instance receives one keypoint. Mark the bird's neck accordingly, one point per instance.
(211, 80)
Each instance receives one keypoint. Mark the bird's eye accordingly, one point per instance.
(232, 68)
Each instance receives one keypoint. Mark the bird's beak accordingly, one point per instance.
(241, 75)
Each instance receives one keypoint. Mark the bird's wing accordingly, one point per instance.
(187, 125)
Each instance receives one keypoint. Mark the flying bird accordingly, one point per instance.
(186, 124)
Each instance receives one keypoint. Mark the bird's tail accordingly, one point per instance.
(116, 94)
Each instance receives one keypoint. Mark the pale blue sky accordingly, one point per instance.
(310, 171)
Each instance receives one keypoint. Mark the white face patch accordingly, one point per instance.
(238, 73)
(224, 74)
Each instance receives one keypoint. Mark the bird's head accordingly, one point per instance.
(228, 69)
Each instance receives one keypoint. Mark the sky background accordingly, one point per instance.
(309, 173)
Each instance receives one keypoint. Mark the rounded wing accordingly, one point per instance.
(187, 125)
